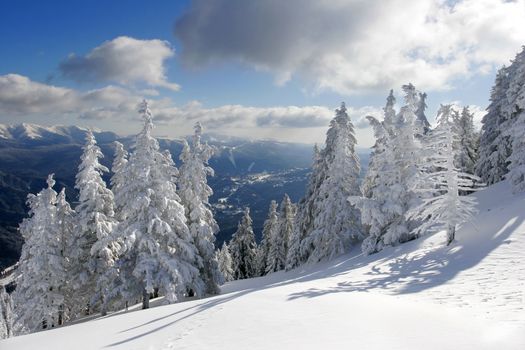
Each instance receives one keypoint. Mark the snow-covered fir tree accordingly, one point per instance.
(441, 181)
(502, 128)
(6, 314)
(270, 226)
(306, 213)
(243, 249)
(158, 251)
(225, 262)
(422, 120)
(407, 157)
(466, 142)
(494, 144)
(390, 190)
(195, 193)
(382, 131)
(92, 256)
(66, 222)
(118, 179)
(39, 297)
(337, 222)
(278, 253)
(516, 132)
(274, 258)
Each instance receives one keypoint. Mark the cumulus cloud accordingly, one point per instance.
(351, 46)
(114, 106)
(123, 60)
(20, 96)
(291, 117)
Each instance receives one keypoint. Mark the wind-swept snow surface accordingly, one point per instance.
(420, 295)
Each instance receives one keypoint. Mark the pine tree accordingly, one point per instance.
(6, 314)
(158, 251)
(382, 131)
(278, 254)
(269, 227)
(306, 213)
(495, 147)
(421, 119)
(66, 222)
(243, 249)
(225, 263)
(516, 132)
(195, 193)
(273, 257)
(442, 181)
(95, 222)
(119, 179)
(390, 193)
(467, 141)
(338, 222)
(39, 298)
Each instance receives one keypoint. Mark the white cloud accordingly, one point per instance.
(294, 117)
(123, 60)
(20, 97)
(306, 124)
(114, 108)
(352, 46)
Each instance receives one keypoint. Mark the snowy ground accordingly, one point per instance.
(421, 295)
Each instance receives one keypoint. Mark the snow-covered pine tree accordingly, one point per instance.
(243, 249)
(225, 262)
(494, 145)
(441, 181)
(66, 221)
(516, 132)
(306, 213)
(422, 120)
(38, 299)
(158, 251)
(6, 314)
(378, 204)
(382, 131)
(467, 141)
(338, 222)
(119, 178)
(195, 193)
(91, 254)
(270, 226)
(407, 157)
(275, 256)
(395, 162)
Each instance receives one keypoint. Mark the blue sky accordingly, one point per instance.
(259, 69)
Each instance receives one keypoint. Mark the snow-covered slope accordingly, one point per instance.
(421, 295)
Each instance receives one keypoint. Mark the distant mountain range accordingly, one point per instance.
(247, 173)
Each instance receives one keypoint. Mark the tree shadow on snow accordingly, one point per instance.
(193, 310)
(399, 270)
(417, 270)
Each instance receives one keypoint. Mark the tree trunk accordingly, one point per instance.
(451, 234)
(61, 315)
(145, 299)
(104, 310)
